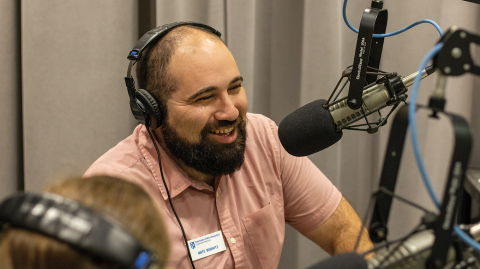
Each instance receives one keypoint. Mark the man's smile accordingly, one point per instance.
(224, 135)
(222, 131)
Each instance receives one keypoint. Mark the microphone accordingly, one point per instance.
(342, 261)
(414, 252)
(312, 128)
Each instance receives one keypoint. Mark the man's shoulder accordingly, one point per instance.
(259, 121)
(258, 117)
(262, 132)
(120, 157)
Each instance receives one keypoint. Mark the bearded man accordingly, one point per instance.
(232, 185)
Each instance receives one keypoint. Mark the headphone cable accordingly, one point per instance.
(168, 194)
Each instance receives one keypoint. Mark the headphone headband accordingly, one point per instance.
(79, 226)
(159, 32)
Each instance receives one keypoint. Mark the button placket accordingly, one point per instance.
(230, 232)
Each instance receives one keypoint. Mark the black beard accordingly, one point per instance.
(208, 156)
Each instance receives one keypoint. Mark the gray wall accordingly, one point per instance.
(75, 104)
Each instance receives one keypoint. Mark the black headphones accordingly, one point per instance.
(144, 106)
(79, 226)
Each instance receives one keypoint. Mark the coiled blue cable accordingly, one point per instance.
(416, 149)
(388, 34)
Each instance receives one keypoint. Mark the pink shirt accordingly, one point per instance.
(250, 206)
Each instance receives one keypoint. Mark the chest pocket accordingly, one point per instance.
(266, 231)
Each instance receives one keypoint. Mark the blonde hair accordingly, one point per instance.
(124, 201)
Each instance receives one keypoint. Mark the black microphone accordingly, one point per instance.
(342, 261)
(313, 128)
(308, 129)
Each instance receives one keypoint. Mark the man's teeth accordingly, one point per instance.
(222, 131)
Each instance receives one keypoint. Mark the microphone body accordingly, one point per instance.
(375, 97)
(413, 253)
(312, 128)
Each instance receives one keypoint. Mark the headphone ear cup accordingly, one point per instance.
(152, 108)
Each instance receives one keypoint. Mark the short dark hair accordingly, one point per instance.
(152, 69)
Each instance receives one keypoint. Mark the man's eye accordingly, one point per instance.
(236, 87)
(204, 98)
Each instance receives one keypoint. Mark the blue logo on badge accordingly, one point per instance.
(192, 245)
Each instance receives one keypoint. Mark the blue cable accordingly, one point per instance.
(389, 34)
(413, 125)
(467, 239)
(416, 149)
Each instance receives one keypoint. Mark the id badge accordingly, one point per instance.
(206, 245)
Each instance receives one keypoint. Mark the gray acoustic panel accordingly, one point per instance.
(210, 12)
(75, 104)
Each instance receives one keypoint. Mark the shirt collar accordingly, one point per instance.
(175, 178)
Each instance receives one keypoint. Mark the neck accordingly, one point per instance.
(192, 173)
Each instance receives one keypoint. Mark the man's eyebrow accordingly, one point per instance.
(235, 79)
(202, 91)
(212, 88)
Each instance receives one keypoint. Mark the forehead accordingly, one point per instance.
(202, 61)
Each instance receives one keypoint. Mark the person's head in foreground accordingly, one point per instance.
(115, 202)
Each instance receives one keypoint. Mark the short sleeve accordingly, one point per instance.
(309, 196)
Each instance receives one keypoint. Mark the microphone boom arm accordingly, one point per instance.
(453, 191)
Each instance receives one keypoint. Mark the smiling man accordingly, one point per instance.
(231, 183)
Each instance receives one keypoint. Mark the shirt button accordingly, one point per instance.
(233, 240)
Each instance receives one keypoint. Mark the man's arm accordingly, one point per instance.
(339, 233)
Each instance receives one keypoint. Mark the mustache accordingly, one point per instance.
(220, 123)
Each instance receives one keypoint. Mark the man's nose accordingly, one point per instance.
(226, 109)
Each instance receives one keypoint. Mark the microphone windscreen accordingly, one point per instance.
(308, 130)
(342, 261)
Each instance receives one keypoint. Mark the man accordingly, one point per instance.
(218, 179)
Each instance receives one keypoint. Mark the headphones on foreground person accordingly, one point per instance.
(81, 227)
